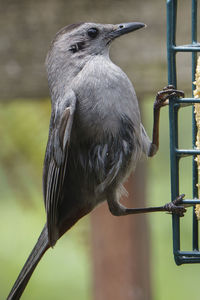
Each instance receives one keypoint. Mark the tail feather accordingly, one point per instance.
(40, 248)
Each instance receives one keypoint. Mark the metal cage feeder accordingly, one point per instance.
(177, 154)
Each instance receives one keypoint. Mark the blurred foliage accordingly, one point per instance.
(66, 272)
(23, 131)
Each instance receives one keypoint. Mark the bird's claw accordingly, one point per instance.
(167, 93)
(174, 207)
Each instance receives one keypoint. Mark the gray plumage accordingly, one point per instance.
(95, 136)
(105, 138)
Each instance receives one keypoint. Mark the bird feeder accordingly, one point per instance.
(176, 153)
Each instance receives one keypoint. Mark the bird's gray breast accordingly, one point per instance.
(103, 162)
(104, 95)
(106, 125)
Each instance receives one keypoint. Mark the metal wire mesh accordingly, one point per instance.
(176, 154)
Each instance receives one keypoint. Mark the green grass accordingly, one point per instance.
(65, 272)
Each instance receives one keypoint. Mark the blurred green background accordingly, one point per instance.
(66, 269)
(65, 272)
(23, 131)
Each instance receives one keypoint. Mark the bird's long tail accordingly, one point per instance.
(40, 248)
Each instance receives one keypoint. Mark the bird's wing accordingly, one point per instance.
(56, 161)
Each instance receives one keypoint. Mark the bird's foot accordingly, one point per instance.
(174, 207)
(162, 97)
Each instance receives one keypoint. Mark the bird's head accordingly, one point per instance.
(75, 44)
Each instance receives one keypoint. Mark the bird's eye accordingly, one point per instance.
(93, 32)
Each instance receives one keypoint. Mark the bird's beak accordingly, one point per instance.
(124, 28)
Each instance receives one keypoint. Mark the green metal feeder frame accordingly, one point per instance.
(177, 154)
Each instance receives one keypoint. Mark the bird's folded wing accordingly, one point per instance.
(56, 165)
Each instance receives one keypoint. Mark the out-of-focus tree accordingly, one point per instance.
(121, 249)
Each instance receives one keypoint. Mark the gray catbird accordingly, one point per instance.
(95, 137)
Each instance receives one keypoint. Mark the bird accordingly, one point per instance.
(96, 136)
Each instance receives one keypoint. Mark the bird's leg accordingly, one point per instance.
(162, 99)
(173, 207)
(117, 209)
